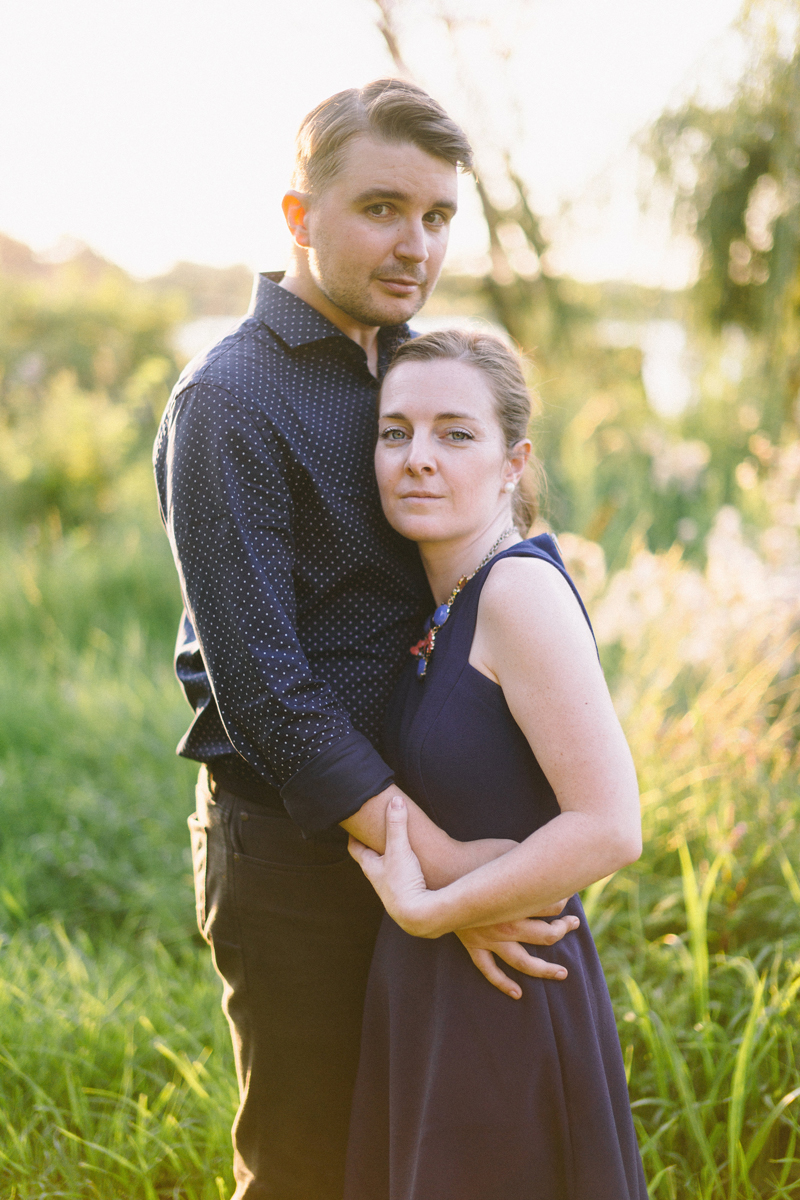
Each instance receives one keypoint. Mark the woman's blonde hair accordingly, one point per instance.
(503, 371)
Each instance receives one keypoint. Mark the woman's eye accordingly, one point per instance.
(459, 435)
(393, 434)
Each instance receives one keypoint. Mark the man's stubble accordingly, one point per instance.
(351, 295)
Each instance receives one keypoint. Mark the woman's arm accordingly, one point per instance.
(533, 640)
(442, 860)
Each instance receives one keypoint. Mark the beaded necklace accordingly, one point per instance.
(424, 648)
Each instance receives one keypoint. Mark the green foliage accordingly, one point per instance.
(592, 437)
(102, 333)
(117, 1074)
(706, 948)
(83, 379)
(117, 1077)
(734, 174)
(94, 803)
(122, 1089)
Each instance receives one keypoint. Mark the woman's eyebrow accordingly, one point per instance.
(443, 416)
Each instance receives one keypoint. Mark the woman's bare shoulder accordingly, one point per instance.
(528, 581)
(527, 607)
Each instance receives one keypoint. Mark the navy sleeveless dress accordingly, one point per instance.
(463, 1093)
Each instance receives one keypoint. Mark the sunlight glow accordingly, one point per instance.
(163, 130)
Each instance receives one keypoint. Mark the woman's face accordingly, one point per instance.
(441, 460)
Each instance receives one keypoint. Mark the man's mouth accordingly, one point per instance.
(400, 285)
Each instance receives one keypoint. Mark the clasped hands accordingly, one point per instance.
(397, 877)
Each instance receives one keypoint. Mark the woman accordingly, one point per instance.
(501, 727)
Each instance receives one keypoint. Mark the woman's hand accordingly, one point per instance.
(504, 940)
(397, 876)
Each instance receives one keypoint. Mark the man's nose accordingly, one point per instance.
(412, 243)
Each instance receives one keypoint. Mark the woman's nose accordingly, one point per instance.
(419, 460)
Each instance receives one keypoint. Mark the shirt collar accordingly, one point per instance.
(297, 323)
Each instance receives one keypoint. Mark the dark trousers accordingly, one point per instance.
(292, 925)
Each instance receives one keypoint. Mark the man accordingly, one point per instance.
(300, 606)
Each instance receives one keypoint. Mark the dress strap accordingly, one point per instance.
(544, 547)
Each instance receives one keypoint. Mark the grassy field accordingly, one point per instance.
(117, 1079)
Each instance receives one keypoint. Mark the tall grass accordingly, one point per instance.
(116, 1074)
(701, 940)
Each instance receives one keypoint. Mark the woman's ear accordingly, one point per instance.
(517, 460)
(296, 206)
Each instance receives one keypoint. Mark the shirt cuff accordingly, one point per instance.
(335, 783)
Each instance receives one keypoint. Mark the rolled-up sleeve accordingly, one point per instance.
(228, 512)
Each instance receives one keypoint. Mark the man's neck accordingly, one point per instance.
(300, 284)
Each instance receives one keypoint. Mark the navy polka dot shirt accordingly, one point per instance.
(300, 601)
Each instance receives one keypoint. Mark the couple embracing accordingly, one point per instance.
(409, 752)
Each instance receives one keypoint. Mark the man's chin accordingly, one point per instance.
(382, 309)
(395, 311)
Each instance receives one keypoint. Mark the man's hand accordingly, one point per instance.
(504, 940)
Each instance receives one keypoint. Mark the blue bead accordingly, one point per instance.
(421, 666)
(441, 615)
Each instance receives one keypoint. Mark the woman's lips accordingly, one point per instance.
(420, 496)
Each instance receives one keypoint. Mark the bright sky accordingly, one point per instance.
(162, 129)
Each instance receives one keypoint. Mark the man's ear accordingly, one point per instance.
(295, 209)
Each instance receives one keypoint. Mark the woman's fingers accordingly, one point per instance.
(536, 932)
(485, 963)
(365, 857)
(517, 956)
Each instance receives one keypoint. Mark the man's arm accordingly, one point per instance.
(228, 508)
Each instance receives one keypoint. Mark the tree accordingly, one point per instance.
(734, 171)
(527, 300)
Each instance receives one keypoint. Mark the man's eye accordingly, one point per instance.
(435, 218)
(378, 210)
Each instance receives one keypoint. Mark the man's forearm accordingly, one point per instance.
(443, 859)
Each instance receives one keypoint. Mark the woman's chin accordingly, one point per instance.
(420, 528)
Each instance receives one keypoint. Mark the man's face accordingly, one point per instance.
(378, 232)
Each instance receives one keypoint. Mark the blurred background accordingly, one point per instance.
(635, 228)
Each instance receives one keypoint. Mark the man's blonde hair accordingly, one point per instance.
(391, 110)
